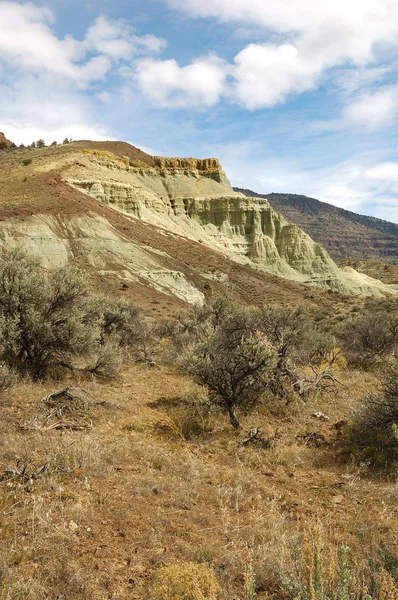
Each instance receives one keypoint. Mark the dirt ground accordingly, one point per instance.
(127, 494)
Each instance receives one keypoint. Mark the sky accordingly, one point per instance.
(297, 96)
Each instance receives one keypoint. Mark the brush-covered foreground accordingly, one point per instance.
(146, 499)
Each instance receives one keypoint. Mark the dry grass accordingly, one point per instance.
(120, 501)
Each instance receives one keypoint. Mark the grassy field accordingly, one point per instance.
(97, 512)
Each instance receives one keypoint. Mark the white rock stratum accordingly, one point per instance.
(194, 198)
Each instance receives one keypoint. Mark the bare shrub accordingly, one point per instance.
(71, 401)
(23, 470)
(298, 342)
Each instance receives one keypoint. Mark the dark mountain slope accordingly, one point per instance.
(343, 233)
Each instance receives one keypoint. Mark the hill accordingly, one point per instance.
(343, 233)
(167, 227)
(104, 486)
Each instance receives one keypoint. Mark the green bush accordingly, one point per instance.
(46, 319)
(234, 360)
(368, 338)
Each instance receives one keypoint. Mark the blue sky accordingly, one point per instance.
(293, 96)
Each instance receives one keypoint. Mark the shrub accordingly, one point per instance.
(373, 435)
(215, 331)
(44, 318)
(297, 342)
(26, 162)
(106, 363)
(8, 378)
(317, 569)
(370, 337)
(40, 144)
(124, 323)
(3, 145)
(192, 415)
(190, 581)
(234, 361)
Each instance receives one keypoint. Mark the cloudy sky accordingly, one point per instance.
(292, 95)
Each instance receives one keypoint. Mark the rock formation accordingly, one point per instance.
(4, 140)
(194, 198)
(164, 227)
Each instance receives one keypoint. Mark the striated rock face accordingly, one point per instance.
(343, 233)
(4, 140)
(103, 248)
(194, 198)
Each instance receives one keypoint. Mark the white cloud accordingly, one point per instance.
(387, 171)
(265, 74)
(28, 44)
(78, 131)
(117, 40)
(46, 80)
(367, 110)
(372, 109)
(166, 83)
(314, 37)
(345, 27)
(361, 183)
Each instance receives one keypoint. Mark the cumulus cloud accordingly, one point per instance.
(313, 37)
(47, 79)
(201, 82)
(28, 44)
(372, 109)
(265, 74)
(367, 110)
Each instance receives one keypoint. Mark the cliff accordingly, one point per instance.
(343, 233)
(193, 197)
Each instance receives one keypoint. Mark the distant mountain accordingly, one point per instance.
(343, 233)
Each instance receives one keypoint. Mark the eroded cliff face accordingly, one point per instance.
(194, 198)
(58, 242)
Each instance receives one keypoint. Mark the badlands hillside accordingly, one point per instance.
(343, 233)
(130, 483)
(173, 227)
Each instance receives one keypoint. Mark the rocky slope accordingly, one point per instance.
(343, 233)
(164, 228)
(4, 140)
